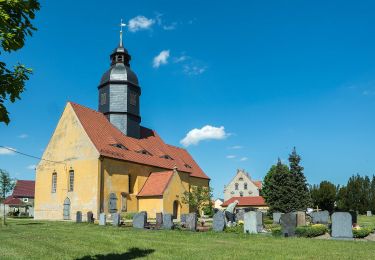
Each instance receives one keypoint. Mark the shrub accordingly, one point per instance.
(269, 227)
(235, 229)
(311, 231)
(127, 215)
(268, 221)
(276, 231)
(361, 232)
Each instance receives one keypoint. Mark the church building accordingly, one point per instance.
(105, 161)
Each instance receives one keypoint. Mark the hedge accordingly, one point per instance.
(311, 231)
(361, 232)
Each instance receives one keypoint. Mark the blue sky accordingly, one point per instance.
(274, 74)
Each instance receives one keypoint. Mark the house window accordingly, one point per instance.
(245, 186)
(236, 186)
(241, 194)
(25, 200)
(240, 179)
(54, 182)
(71, 180)
(123, 201)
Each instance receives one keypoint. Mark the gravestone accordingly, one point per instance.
(159, 220)
(218, 221)
(369, 213)
(167, 221)
(116, 219)
(342, 225)
(90, 217)
(79, 217)
(191, 221)
(354, 217)
(253, 222)
(288, 223)
(301, 218)
(140, 220)
(320, 217)
(276, 217)
(240, 215)
(183, 218)
(102, 219)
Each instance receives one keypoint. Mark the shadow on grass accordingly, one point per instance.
(133, 253)
(30, 223)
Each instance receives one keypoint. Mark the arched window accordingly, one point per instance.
(236, 186)
(71, 180)
(240, 179)
(245, 186)
(54, 182)
(241, 194)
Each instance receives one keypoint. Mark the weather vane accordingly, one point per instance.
(122, 24)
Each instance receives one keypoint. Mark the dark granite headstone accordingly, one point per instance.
(102, 219)
(140, 220)
(116, 219)
(240, 215)
(191, 221)
(288, 223)
(167, 221)
(276, 217)
(79, 217)
(159, 220)
(90, 217)
(218, 222)
(320, 217)
(342, 225)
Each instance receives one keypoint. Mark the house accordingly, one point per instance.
(249, 202)
(242, 186)
(217, 203)
(22, 198)
(105, 162)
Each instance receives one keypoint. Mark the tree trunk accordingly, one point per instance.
(4, 213)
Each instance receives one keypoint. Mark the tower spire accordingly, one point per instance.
(122, 24)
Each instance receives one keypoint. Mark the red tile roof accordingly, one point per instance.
(103, 135)
(258, 184)
(156, 184)
(246, 201)
(24, 189)
(12, 201)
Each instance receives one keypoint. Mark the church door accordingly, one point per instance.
(175, 209)
(67, 208)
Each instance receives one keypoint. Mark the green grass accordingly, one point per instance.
(27, 239)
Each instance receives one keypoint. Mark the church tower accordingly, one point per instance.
(119, 93)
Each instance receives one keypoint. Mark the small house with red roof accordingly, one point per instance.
(22, 199)
(105, 161)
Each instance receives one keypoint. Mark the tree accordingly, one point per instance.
(301, 199)
(372, 194)
(324, 196)
(342, 202)
(6, 186)
(15, 25)
(198, 198)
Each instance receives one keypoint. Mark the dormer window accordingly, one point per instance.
(166, 156)
(143, 151)
(121, 146)
(187, 165)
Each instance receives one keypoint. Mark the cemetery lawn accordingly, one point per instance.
(28, 239)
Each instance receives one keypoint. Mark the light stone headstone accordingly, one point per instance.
(301, 218)
(218, 222)
(276, 217)
(191, 221)
(102, 219)
(369, 213)
(342, 225)
(253, 222)
(159, 219)
(116, 219)
(90, 217)
(140, 220)
(79, 217)
(320, 217)
(240, 215)
(167, 221)
(288, 223)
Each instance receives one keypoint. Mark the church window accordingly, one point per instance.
(103, 98)
(71, 180)
(112, 203)
(245, 186)
(236, 186)
(123, 201)
(241, 194)
(133, 99)
(54, 182)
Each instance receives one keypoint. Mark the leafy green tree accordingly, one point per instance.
(324, 196)
(341, 200)
(301, 199)
(198, 198)
(15, 25)
(372, 195)
(6, 186)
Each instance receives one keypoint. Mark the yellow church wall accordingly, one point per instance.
(68, 149)
(194, 181)
(152, 205)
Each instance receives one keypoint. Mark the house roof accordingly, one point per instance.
(12, 201)
(150, 149)
(24, 188)
(156, 184)
(246, 201)
(258, 184)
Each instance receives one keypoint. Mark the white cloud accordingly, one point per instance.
(194, 70)
(236, 147)
(244, 159)
(161, 58)
(7, 151)
(140, 22)
(231, 156)
(170, 27)
(207, 132)
(31, 167)
(180, 59)
(23, 136)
